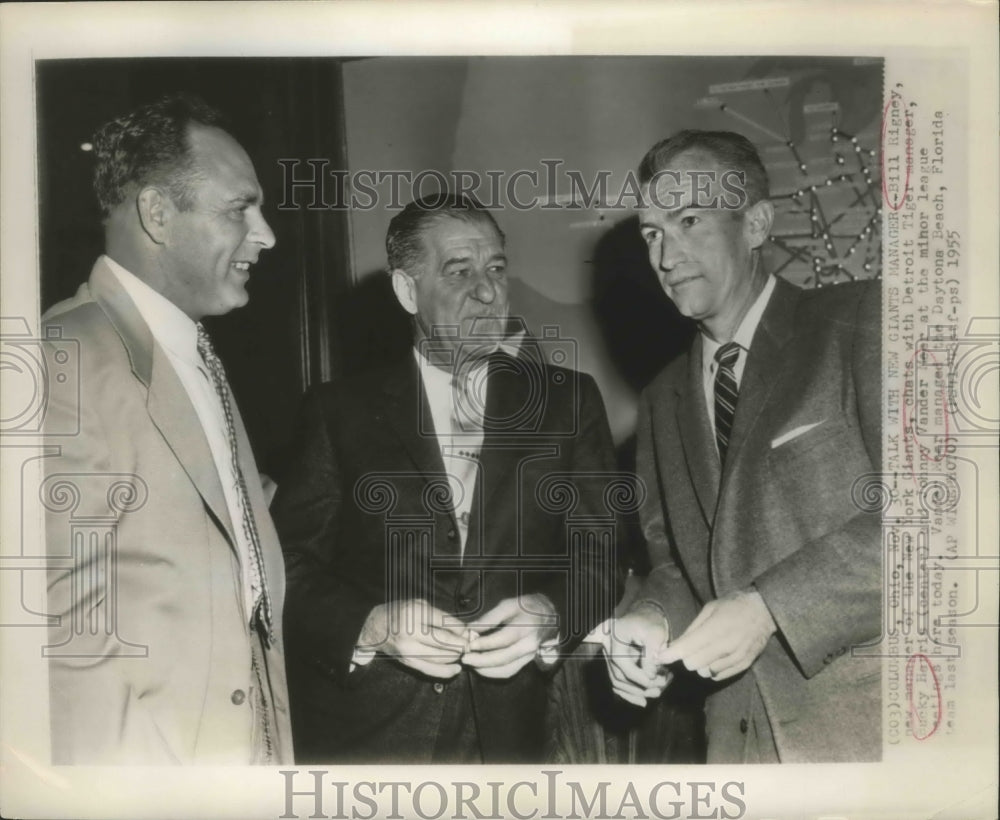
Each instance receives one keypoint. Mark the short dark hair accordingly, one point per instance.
(404, 242)
(150, 145)
(729, 149)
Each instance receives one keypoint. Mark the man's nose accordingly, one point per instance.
(486, 289)
(260, 232)
(670, 253)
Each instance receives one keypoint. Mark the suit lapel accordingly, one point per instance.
(511, 410)
(271, 548)
(697, 437)
(408, 415)
(168, 403)
(763, 369)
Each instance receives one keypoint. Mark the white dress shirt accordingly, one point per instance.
(177, 334)
(460, 449)
(743, 337)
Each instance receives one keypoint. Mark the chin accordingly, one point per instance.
(686, 309)
(239, 298)
(229, 304)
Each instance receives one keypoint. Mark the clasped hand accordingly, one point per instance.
(725, 638)
(431, 641)
(631, 651)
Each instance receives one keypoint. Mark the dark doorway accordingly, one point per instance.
(278, 109)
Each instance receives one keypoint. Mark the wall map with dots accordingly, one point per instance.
(816, 125)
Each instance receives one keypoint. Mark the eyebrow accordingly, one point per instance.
(246, 199)
(674, 213)
(455, 260)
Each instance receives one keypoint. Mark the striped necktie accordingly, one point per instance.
(261, 615)
(726, 393)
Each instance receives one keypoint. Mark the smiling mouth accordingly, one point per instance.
(242, 266)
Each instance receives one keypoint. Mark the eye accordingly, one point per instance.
(689, 221)
(650, 236)
(497, 270)
(458, 273)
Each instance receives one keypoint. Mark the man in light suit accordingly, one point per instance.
(167, 645)
(766, 573)
(438, 519)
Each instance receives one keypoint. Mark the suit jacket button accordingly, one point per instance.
(452, 534)
(238, 696)
(439, 687)
(744, 725)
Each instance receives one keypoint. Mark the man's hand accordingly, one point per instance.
(631, 651)
(417, 635)
(509, 635)
(727, 636)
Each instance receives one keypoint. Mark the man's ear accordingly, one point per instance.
(405, 288)
(757, 221)
(155, 210)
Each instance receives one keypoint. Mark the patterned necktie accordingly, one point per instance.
(261, 614)
(462, 458)
(726, 393)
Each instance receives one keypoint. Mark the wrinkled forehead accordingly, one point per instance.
(694, 179)
(449, 235)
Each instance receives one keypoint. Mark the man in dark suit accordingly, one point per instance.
(766, 572)
(438, 521)
(167, 642)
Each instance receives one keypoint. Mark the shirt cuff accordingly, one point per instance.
(361, 657)
(548, 653)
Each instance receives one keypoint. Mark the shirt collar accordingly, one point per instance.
(744, 333)
(435, 378)
(170, 325)
(511, 345)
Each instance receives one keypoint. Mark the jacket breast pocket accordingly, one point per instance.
(815, 473)
(790, 446)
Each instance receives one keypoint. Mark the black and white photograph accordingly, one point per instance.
(607, 428)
